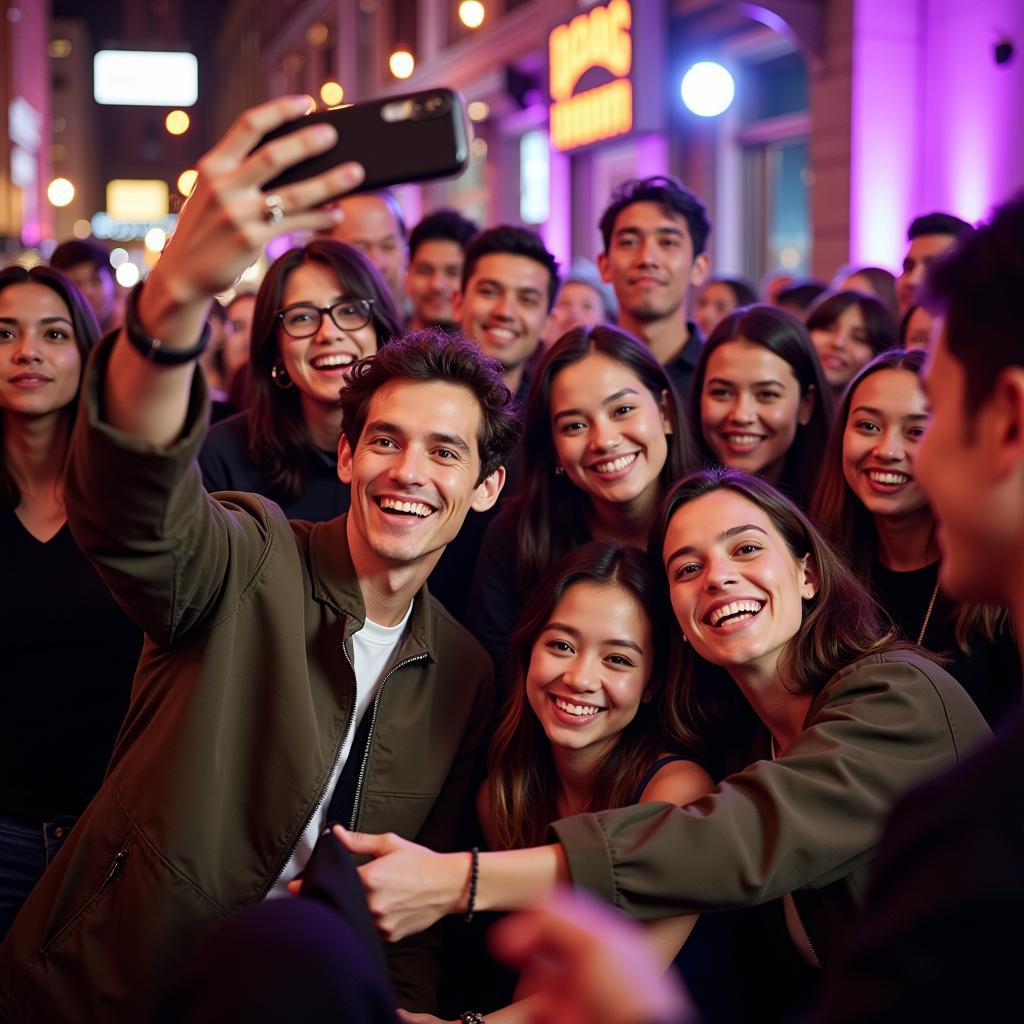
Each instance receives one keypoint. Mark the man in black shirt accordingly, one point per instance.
(655, 235)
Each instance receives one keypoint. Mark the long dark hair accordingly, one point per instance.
(278, 435)
(87, 330)
(783, 335)
(522, 778)
(880, 325)
(843, 519)
(841, 622)
(549, 510)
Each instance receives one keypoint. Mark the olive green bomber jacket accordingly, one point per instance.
(241, 701)
(805, 823)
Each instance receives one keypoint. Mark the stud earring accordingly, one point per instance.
(279, 375)
(683, 635)
(559, 470)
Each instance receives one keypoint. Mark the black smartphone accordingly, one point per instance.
(400, 139)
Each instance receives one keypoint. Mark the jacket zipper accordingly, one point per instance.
(803, 932)
(369, 735)
(330, 775)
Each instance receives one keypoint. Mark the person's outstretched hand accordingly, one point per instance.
(225, 224)
(584, 963)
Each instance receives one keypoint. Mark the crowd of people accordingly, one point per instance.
(500, 583)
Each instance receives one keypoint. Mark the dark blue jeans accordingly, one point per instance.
(25, 852)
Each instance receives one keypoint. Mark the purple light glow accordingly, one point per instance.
(279, 246)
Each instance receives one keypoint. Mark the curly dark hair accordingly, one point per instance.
(432, 355)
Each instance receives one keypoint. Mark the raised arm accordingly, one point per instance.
(223, 228)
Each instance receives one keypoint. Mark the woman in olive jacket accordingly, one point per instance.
(847, 718)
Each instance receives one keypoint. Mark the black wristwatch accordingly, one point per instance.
(152, 348)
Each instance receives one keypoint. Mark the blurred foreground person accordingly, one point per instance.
(69, 651)
(293, 673)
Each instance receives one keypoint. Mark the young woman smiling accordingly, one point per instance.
(849, 329)
(583, 729)
(848, 720)
(320, 308)
(605, 436)
(69, 650)
(871, 506)
(760, 399)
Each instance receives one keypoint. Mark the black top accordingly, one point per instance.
(991, 673)
(69, 656)
(681, 366)
(227, 466)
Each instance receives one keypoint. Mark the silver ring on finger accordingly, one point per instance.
(273, 209)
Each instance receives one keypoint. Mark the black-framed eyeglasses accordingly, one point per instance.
(303, 320)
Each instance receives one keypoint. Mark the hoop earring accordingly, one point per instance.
(279, 375)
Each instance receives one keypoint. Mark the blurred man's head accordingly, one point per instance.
(929, 237)
(971, 461)
(373, 224)
(437, 251)
(655, 234)
(509, 283)
(87, 264)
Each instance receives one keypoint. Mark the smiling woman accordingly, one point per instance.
(319, 309)
(65, 698)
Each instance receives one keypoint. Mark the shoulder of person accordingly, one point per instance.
(901, 685)
(451, 638)
(680, 781)
(228, 434)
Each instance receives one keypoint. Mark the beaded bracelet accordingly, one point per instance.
(472, 1017)
(474, 877)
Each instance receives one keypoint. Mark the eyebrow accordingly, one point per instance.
(664, 230)
(42, 320)
(689, 549)
(621, 393)
(756, 384)
(434, 437)
(871, 411)
(564, 627)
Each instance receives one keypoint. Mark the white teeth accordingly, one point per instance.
(580, 710)
(417, 508)
(743, 608)
(616, 464)
(501, 332)
(881, 477)
(332, 361)
(744, 438)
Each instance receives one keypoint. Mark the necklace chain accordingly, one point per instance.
(928, 614)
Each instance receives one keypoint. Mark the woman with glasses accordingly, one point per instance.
(321, 307)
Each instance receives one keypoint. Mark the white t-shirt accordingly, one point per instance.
(373, 654)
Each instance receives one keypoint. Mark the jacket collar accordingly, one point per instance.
(335, 584)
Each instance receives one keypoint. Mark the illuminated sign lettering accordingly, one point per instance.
(598, 38)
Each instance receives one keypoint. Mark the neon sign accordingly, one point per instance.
(598, 38)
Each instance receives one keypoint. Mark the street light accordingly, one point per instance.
(177, 122)
(187, 181)
(60, 192)
(332, 93)
(707, 89)
(471, 13)
(401, 63)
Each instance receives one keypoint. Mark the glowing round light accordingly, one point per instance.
(118, 256)
(187, 181)
(59, 48)
(155, 240)
(471, 13)
(127, 275)
(81, 228)
(707, 89)
(478, 110)
(401, 63)
(478, 147)
(60, 192)
(332, 93)
(177, 122)
(789, 257)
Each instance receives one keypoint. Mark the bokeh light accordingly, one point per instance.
(177, 122)
(479, 110)
(471, 13)
(707, 89)
(332, 93)
(127, 275)
(60, 192)
(187, 181)
(118, 256)
(155, 240)
(401, 63)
